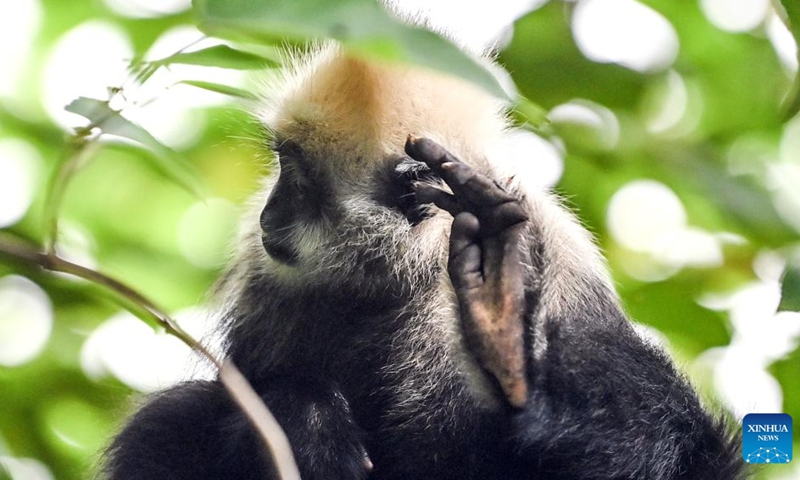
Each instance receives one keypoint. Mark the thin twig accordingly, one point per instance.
(231, 378)
(74, 154)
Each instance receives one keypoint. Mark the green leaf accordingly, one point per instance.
(790, 287)
(741, 198)
(363, 26)
(791, 104)
(529, 113)
(787, 372)
(223, 89)
(791, 15)
(221, 56)
(111, 122)
(670, 307)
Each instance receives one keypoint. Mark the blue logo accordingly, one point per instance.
(767, 438)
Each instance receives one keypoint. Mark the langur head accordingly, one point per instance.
(340, 208)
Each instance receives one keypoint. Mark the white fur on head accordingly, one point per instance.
(353, 111)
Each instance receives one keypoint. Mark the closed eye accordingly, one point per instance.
(294, 165)
(294, 174)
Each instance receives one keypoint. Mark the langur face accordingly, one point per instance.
(325, 223)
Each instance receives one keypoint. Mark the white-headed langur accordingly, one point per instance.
(411, 307)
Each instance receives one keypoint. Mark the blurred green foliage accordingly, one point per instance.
(126, 210)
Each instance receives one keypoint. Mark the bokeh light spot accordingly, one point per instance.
(20, 168)
(675, 106)
(148, 8)
(783, 179)
(689, 247)
(19, 24)
(26, 320)
(736, 15)
(589, 123)
(783, 42)
(744, 385)
(533, 161)
(25, 468)
(642, 212)
(85, 61)
(760, 337)
(648, 219)
(624, 32)
(131, 351)
(474, 25)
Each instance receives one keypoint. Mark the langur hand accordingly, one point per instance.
(485, 263)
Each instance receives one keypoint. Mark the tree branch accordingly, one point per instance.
(231, 378)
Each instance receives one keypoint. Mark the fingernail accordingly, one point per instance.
(411, 144)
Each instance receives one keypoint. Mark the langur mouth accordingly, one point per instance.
(407, 173)
(279, 251)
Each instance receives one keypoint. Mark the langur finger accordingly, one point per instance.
(425, 193)
(468, 185)
(472, 187)
(428, 151)
(464, 264)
